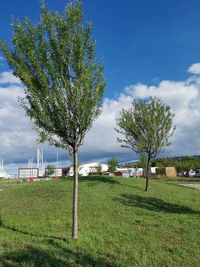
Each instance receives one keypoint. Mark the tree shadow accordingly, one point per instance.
(14, 229)
(37, 257)
(154, 204)
(57, 254)
(99, 179)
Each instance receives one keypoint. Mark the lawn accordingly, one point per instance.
(119, 224)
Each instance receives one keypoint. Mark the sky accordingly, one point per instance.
(149, 48)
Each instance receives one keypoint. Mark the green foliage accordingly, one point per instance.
(50, 170)
(146, 127)
(182, 163)
(142, 162)
(55, 60)
(112, 164)
(99, 168)
(128, 227)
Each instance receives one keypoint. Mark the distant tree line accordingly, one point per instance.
(183, 163)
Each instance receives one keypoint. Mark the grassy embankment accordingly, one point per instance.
(119, 224)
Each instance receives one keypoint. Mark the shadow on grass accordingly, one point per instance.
(94, 180)
(57, 254)
(99, 179)
(12, 228)
(154, 204)
(37, 257)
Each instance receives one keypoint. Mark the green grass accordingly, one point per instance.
(119, 224)
(8, 181)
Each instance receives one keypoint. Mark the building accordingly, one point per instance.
(86, 169)
(58, 172)
(127, 172)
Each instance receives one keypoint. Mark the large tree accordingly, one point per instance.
(64, 84)
(146, 127)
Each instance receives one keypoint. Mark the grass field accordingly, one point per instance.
(119, 224)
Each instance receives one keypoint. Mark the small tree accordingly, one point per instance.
(112, 164)
(50, 170)
(146, 127)
(99, 168)
(64, 84)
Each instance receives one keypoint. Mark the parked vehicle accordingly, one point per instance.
(183, 174)
(197, 173)
(192, 173)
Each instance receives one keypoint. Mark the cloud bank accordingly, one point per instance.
(18, 143)
(182, 96)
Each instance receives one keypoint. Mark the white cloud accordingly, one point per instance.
(7, 77)
(17, 139)
(101, 141)
(182, 96)
(177, 94)
(194, 68)
(18, 143)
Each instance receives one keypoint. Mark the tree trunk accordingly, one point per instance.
(75, 195)
(147, 175)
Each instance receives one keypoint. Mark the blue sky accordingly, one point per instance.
(148, 48)
(138, 40)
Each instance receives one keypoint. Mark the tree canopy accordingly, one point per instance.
(112, 164)
(55, 60)
(146, 128)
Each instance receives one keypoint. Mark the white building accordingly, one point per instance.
(131, 171)
(85, 169)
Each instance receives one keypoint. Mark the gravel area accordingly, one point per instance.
(195, 186)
